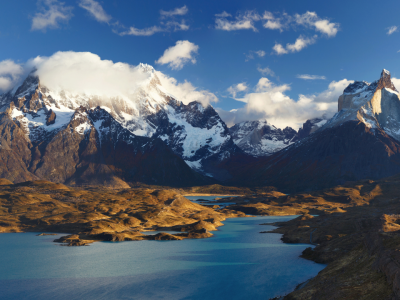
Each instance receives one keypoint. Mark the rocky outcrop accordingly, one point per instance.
(51, 117)
(309, 127)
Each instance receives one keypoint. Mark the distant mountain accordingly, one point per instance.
(360, 141)
(259, 138)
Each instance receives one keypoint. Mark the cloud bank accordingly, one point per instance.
(270, 101)
(185, 91)
(85, 72)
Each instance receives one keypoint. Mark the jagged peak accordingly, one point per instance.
(385, 81)
(360, 86)
(145, 68)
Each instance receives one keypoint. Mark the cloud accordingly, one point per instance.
(224, 14)
(279, 49)
(180, 54)
(396, 82)
(168, 26)
(244, 21)
(300, 43)
(270, 101)
(272, 22)
(266, 71)
(236, 88)
(95, 9)
(85, 72)
(310, 77)
(10, 73)
(185, 91)
(259, 53)
(324, 26)
(179, 11)
(52, 13)
(142, 32)
(177, 26)
(391, 30)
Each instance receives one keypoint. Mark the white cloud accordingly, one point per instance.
(273, 25)
(185, 91)
(142, 32)
(179, 11)
(237, 88)
(52, 13)
(224, 14)
(177, 26)
(279, 49)
(324, 26)
(269, 101)
(310, 77)
(266, 71)
(244, 21)
(391, 30)
(259, 53)
(272, 22)
(168, 26)
(96, 10)
(180, 54)
(10, 72)
(85, 72)
(396, 83)
(300, 43)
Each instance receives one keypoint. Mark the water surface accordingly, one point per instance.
(237, 263)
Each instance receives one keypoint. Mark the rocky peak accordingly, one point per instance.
(385, 81)
(259, 138)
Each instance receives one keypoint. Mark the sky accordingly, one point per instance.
(284, 61)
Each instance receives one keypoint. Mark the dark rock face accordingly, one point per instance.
(385, 81)
(309, 127)
(51, 118)
(81, 153)
(328, 158)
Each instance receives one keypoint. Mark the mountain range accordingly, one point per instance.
(151, 137)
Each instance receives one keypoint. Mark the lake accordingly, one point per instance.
(238, 262)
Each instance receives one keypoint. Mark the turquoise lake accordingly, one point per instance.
(237, 263)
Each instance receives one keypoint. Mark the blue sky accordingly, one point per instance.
(229, 47)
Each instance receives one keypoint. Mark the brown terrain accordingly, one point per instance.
(100, 214)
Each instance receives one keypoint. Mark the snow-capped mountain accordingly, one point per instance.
(192, 131)
(259, 138)
(375, 104)
(362, 141)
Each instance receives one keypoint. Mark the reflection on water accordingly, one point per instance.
(237, 263)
